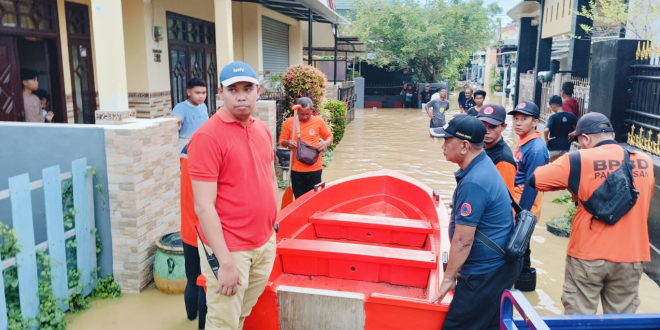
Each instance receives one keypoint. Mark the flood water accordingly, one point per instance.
(395, 139)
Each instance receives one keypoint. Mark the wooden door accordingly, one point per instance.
(11, 91)
(80, 59)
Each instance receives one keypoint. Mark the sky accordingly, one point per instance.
(506, 5)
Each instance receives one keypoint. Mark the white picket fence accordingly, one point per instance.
(19, 192)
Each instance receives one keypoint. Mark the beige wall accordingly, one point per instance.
(158, 72)
(557, 18)
(321, 35)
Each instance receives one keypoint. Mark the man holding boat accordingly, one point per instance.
(481, 203)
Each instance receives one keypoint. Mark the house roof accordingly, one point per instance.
(524, 9)
(299, 10)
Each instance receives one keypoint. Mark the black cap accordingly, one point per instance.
(593, 123)
(492, 113)
(464, 127)
(527, 108)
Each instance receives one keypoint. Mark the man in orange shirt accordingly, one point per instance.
(603, 261)
(494, 116)
(314, 132)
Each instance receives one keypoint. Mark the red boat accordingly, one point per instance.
(365, 252)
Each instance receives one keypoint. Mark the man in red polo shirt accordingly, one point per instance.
(234, 185)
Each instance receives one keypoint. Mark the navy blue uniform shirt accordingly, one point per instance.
(482, 200)
(560, 124)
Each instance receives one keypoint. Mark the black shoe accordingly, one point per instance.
(526, 282)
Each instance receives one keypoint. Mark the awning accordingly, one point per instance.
(345, 45)
(299, 10)
(524, 9)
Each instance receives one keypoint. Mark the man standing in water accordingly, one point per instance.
(461, 98)
(315, 133)
(234, 185)
(603, 261)
(438, 106)
(190, 115)
(469, 100)
(475, 273)
(425, 95)
(479, 97)
(493, 116)
(530, 154)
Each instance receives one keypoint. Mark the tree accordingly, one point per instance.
(635, 17)
(434, 39)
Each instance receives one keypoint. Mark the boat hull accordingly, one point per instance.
(363, 252)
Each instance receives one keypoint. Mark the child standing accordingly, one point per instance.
(479, 98)
(31, 103)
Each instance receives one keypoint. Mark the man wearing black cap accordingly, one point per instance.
(494, 116)
(603, 261)
(530, 154)
(475, 273)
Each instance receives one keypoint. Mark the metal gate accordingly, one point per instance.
(275, 42)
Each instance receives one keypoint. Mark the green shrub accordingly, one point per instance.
(495, 79)
(106, 287)
(565, 222)
(305, 81)
(337, 120)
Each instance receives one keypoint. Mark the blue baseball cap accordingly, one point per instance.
(237, 71)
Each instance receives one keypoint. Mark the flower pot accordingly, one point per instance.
(169, 264)
(556, 230)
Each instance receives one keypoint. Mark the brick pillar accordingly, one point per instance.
(144, 189)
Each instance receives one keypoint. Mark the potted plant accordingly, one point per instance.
(561, 226)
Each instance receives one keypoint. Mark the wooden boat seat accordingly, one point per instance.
(368, 228)
(357, 262)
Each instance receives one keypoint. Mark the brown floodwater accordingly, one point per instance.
(395, 139)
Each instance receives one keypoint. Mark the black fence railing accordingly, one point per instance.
(643, 116)
(382, 90)
(347, 94)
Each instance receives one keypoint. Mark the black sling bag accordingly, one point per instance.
(615, 196)
(519, 239)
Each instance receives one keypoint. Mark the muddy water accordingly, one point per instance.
(393, 139)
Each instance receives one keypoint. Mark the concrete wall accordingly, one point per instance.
(28, 148)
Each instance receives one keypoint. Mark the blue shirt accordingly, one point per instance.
(192, 118)
(560, 124)
(482, 200)
(530, 155)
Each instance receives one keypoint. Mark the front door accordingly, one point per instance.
(80, 59)
(192, 55)
(11, 93)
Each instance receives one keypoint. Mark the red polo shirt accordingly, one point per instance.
(240, 160)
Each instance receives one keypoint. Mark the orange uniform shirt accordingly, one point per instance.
(188, 216)
(628, 240)
(311, 133)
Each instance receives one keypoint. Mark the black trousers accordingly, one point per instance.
(476, 303)
(302, 182)
(195, 297)
(527, 262)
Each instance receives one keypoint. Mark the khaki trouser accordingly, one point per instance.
(614, 283)
(254, 267)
